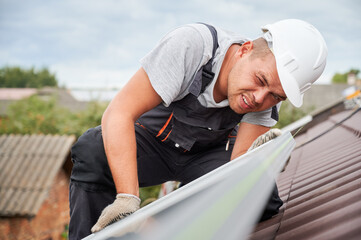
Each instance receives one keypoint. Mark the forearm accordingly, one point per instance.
(247, 133)
(237, 154)
(120, 148)
(135, 98)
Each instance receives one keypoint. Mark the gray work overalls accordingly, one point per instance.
(181, 142)
(188, 125)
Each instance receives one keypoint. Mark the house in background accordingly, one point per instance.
(34, 180)
(63, 97)
(352, 79)
(321, 95)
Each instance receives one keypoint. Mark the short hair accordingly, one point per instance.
(260, 48)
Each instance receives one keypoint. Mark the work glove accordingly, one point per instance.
(271, 134)
(124, 205)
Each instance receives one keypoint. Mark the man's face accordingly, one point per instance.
(254, 85)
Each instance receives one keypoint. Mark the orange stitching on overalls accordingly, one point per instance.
(165, 126)
(167, 136)
(140, 125)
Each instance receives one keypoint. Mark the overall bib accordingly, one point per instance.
(186, 124)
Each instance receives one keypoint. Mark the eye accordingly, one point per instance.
(276, 97)
(260, 81)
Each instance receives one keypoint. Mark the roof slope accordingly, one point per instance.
(28, 166)
(321, 186)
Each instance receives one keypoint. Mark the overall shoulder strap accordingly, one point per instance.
(205, 75)
(208, 75)
(274, 113)
(215, 38)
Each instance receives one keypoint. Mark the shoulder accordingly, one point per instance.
(194, 36)
(173, 62)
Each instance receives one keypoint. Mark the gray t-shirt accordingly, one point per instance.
(171, 66)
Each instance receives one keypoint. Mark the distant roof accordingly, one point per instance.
(28, 166)
(63, 97)
(321, 185)
(320, 95)
(16, 93)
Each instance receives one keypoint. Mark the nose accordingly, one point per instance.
(260, 95)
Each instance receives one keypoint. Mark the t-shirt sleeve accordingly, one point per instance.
(171, 65)
(267, 118)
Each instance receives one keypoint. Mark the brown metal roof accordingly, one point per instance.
(321, 185)
(28, 166)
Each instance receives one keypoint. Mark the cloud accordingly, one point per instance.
(102, 41)
(86, 75)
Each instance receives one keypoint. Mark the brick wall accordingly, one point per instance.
(50, 221)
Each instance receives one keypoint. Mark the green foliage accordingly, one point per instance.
(149, 194)
(339, 78)
(16, 77)
(79, 122)
(342, 77)
(355, 71)
(34, 115)
(289, 114)
(64, 234)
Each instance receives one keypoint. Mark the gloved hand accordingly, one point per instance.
(271, 134)
(124, 205)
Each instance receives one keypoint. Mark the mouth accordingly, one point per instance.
(246, 103)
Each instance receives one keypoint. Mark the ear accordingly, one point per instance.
(245, 48)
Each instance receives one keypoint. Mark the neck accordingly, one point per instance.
(220, 91)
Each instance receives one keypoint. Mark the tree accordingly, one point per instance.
(342, 77)
(339, 78)
(34, 115)
(16, 77)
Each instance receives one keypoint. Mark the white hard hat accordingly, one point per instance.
(300, 52)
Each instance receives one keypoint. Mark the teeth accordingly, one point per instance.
(245, 100)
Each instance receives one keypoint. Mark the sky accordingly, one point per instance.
(98, 44)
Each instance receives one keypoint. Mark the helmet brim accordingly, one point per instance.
(288, 81)
(300, 53)
(290, 86)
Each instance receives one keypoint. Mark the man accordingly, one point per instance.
(200, 99)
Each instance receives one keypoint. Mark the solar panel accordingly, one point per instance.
(225, 203)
